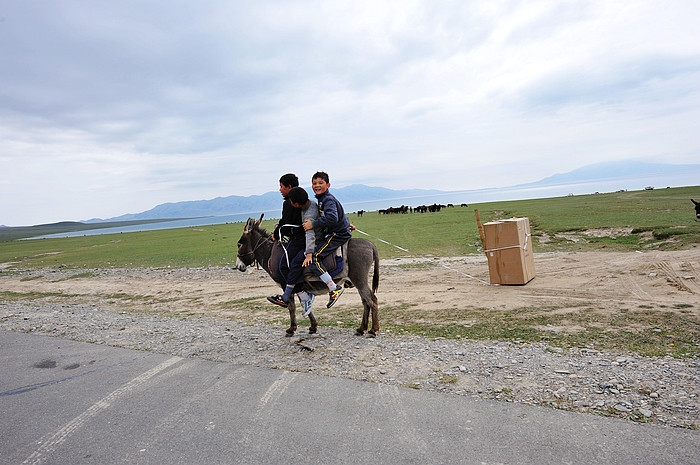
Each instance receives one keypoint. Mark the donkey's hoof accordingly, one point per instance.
(359, 332)
(371, 334)
(289, 332)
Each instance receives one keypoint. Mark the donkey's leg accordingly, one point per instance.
(313, 323)
(375, 316)
(363, 326)
(370, 306)
(292, 319)
(366, 296)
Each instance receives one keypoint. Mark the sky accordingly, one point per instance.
(114, 107)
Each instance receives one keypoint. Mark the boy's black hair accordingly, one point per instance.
(321, 174)
(298, 195)
(289, 179)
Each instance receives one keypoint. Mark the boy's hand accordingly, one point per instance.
(307, 260)
(307, 225)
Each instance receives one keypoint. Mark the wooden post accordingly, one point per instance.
(481, 230)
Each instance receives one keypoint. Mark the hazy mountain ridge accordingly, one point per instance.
(611, 170)
(235, 204)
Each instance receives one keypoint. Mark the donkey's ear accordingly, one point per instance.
(696, 203)
(257, 223)
(248, 225)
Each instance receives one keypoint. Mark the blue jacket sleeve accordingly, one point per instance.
(329, 214)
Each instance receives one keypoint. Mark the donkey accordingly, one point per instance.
(697, 209)
(255, 245)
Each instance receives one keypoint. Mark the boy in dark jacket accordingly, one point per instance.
(336, 226)
(309, 210)
(288, 226)
(288, 232)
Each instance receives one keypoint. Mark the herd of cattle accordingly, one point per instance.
(403, 209)
(437, 207)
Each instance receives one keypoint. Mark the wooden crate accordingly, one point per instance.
(509, 251)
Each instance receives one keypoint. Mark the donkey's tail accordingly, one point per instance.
(375, 277)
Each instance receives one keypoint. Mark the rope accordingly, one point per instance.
(420, 256)
(524, 246)
(382, 240)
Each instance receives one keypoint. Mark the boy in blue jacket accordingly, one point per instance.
(335, 225)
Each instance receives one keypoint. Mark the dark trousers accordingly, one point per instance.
(329, 245)
(296, 270)
(293, 248)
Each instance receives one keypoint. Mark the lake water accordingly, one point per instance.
(454, 197)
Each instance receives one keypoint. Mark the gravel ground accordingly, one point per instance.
(659, 390)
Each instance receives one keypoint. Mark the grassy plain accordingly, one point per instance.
(662, 218)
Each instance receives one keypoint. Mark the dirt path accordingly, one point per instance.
(599, 280)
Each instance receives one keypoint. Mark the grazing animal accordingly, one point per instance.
(697, 209)
(402, 209)
(255, 245)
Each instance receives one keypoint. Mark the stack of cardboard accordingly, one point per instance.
(509, 251)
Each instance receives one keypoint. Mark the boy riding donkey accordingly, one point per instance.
(337, 230)
(327, 226)
(290, 235)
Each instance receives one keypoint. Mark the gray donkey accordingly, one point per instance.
(255, 245)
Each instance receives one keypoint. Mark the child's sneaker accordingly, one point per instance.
(306, 304)
(277, 300)
(334, 295)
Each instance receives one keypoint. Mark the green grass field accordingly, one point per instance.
(661, 218)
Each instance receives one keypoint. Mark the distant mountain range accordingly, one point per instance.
(235, 204)
(612, 170)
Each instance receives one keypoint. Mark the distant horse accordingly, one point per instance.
(697, 209)
(255, 245)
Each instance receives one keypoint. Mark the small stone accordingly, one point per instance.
(645, 412)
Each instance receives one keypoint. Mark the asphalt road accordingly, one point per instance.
(64, 402)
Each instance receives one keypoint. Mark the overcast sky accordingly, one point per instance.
(113, 107)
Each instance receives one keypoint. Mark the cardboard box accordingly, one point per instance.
(509, 251)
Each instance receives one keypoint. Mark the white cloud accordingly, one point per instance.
(113, 107)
